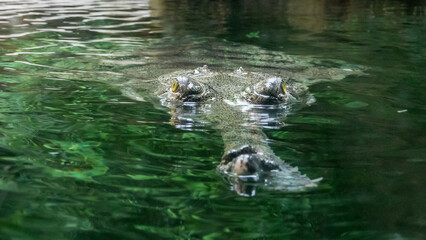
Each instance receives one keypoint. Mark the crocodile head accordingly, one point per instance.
(215, 88)
(229, 101)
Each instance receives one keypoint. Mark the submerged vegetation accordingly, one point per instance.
(252, 35)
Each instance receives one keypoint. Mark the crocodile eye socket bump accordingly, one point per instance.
(175, 86)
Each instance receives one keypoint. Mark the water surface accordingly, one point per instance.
(80, 160)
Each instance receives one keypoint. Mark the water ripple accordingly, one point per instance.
(78, 160)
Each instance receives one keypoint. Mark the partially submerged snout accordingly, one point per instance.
(246, 164)
(245, 168)
(246, 161)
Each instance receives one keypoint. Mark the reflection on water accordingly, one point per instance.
(79, 160)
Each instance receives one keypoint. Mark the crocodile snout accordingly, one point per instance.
(246, 161)
(246, 164)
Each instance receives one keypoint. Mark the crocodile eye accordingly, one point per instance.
(175, 86)
(283, 87)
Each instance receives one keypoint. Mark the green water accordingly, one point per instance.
(81, 160)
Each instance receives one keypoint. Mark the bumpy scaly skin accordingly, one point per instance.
(204, 85)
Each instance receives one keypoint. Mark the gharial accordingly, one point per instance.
(227, 100)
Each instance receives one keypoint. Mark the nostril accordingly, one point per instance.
(234, 153)
(252, 166)
(246, 164)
